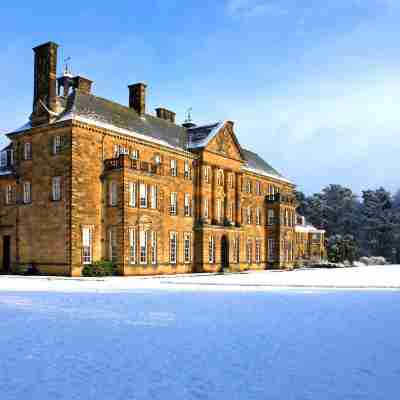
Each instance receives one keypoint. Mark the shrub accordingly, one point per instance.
(373, 260)
(100, 268)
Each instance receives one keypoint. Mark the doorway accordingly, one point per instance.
(224, 253)
(6, 253)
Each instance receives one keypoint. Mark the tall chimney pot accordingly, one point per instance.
(137, 97)
(168, 115)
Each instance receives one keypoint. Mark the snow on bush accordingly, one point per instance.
(373, 261)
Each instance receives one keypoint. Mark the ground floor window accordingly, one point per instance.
(112, 245)
(211, 250)
(173, 247)
(86, 245)
(132, 246)
(154, 248)
(271, 250)
(187, 248)
(143, 247)
(236, 250)
(258, 250)
(249, 248)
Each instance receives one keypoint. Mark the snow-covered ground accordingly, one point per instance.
(379, 277)
(202, 337)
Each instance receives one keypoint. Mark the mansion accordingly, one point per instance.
(88, 179)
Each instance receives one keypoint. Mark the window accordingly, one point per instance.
(271, 217)
(132, 246)
(187, 248)
(123, 150)
(173, 204)
(132, 194)
(248, 214)
(3, 159)
(28, 151)
(113, 193)
(112, 245)
(115, 151)
(249, 248)
(219, 210)
(9, 191)
(220, 178)
(135, 154)
(258, 188)
(173, 247)
(11, 152)
(230, 181)
(248, 186)
(56, 186)
(86, 246)
(236, 250)
(206, 208)
(143, 246)
(187, 170)
(154, 248)
(187, 205)
(57, 145)
(207, 174)
(258, 250)
(211, 250)
(174, 168)
(153, 197)
(27, 192)
(143, 195)
(258, 216)
(271, 250)
(157, 159)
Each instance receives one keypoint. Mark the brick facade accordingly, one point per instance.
(102, 169)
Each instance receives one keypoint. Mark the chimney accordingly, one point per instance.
(168, 115)
(137, 98)
(82, 84)
(45, 83)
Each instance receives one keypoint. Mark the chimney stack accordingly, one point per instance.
(168, 115)
(45, 83)
(83, 84)
(137, 98)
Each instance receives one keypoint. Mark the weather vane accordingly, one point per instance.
(67, 70)
(189, 115)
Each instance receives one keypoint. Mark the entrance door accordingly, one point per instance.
(224, 253)
(6, 253)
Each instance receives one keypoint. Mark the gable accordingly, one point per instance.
(225, 144)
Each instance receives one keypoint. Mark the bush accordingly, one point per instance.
(100, 268)
(373, 260)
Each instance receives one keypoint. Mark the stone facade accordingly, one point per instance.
(75, 189)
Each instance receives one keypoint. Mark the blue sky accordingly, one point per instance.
(313, 88)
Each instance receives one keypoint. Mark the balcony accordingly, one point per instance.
(125, 162)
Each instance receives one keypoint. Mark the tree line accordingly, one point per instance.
(366, 225)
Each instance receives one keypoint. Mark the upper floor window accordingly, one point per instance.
(57, 143)
(132, 246)
(132, 194)
(113, 193)
(271, 217)
(143, 195)
(207, 174)
(187, 205)
(28, 151)
(56, 188)
(248, 215)
(230, 181)
(157, 159)
(174, 168)
(135, 154)
(205, 208)
(86, 245)
(220, 178)
(271, 249)
(186, 172)
(248, 186)
(258, 188)
(173, 203)
(219, 210)
(258, 216)
(27, 192)
(153, 197)
(9, 192)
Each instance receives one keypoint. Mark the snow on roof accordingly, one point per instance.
(200, 136)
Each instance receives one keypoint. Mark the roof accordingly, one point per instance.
(107, 114)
